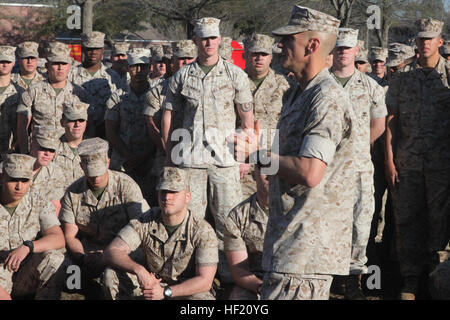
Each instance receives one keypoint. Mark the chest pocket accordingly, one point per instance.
(183, 260)
(224, 95)
(191, 96)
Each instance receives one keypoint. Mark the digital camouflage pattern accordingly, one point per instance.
(347, 38)
(18, 165)
(99, 221)
(208, 114)
(28, 49)
(95, 39)
(174, 179)
(245, 227)
(9, 100)
(429, 28)
(173, 259)
(378, 53)
(17, 79)
(184, 49)
(305, 19)
(31, 216)
(58, 52)
(7, 53)
(278, 286)
(45, 108)
(306, 224)
(76, 111)
(225, 48)
(120, 48)
(94, 156)
(259, 43)
(48, 183)
(399, 53)
(207, 27)
(99, 88)
(69, 162)
(46, 137)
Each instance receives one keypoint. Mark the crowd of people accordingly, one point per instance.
(174, 174)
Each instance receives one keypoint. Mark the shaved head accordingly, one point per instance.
(327, 42)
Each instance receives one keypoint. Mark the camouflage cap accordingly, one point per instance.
(399, 53)
(378, 53)
(225, 48)
(94, 156)
(447, 47)
(7, 53)
(95, 39)
(306, 19)
(19, 166)
(259, 43)
(429, 28)
(173, 179)
(58, 52)
(276, 49)
(157, 53)
(120, 48)
(46, 137)
(28, 49)
(362, 56)
(184, 49)
(168, 52)
(347, 38)
(207, 27)
(75, 111)
(138, 56)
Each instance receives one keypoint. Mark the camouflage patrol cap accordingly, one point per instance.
(168, 52)
(94, 156)
(7, 53)
(58, 52)
(225, 48)
(95, 39)
(28, 49)
(347, 38)
(429, 28)
(362, 56)
(120, 48)
(207, 27)
(138, 56)
(306, 19)
(447, 47)
(398, 53)
(19, 166)
(184, 49)
(75, 111)
(173, 179)
(378, 53)
(275, 49)
(157, 53)
(259, 43)
(46, 137)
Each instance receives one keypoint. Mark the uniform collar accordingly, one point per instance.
(49, 89)
(257, 214)
(109, 194)
(196, 71)
(64, 149)
(100, 72)
(158, 230)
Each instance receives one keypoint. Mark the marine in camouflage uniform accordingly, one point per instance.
(18, 227)
(174, 253)
(94, 214)
(27, 50)
(48, 177)
(41, 104)
(9, 99)
(269, 90)
(206, 98)
(126, 125)
(308, 237)
(378, 55)
(245, 228)
(99, 84)
(119, 63)
(66, 156)
(184, 52)
(159, 66)
(370, 110)
(419, 164)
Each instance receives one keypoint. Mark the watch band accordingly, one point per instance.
(30, 245)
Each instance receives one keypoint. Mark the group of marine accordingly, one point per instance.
(174, 174)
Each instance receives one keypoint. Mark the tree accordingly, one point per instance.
(343, 10)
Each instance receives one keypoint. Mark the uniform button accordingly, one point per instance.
(252, 216)
(154, 230)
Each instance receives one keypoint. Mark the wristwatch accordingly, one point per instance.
(167, 293)
(30, 245)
